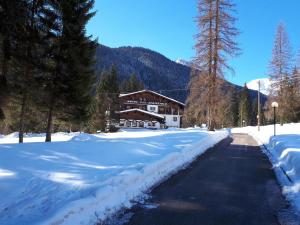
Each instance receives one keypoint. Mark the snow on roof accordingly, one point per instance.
(153, 92)
(142, 111)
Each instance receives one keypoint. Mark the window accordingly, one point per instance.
(152, 108)
(175, 119)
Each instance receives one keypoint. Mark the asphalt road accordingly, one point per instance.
(231, 184)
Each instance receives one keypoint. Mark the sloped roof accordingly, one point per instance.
(153, 92)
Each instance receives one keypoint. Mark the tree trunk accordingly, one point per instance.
(210, 65)
(215, 68)
(22, 117)
(3, 86)
(4, 70)
(49, 120)
(5, 60)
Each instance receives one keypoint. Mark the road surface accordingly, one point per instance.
(231, 184)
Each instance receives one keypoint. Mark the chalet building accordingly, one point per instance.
(148, 109)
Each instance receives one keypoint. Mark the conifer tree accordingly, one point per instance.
(26, 57)
(5, 40)
(214, 43)
(132, 84)
(234, 108)
(71, 73)
(11, 15)
(245, 107)
(107, 98)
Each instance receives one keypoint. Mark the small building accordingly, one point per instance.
(149, 109)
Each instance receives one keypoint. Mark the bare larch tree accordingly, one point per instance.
(214, 43)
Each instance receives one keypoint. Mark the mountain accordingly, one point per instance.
(156, 71)
(265, 85)
(184, 62)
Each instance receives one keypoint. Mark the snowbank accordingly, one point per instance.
(284, 153)
(90, 176)
(30, 138)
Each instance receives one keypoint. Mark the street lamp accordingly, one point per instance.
(274, 106)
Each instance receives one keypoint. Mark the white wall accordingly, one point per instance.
(170, 122)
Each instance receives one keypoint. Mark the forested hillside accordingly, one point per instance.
(155, 70)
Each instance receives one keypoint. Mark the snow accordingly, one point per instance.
(265, 85)
(184, 62)
(29, 138)
(81, 178)
(284, 153)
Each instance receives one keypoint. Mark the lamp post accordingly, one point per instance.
(274, 106)
(258, 106)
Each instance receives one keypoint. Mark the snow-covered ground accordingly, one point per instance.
(80, 178)
(284, 153)
(14, 137)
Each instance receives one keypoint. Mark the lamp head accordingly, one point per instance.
(274, 104)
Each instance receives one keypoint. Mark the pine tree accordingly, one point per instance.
(114, 94)
(215, 41)
(234, 108)
(6, 28)
(26, 58)
(107, 99)
(80, 64)
(71, 73)
(280, 70)
(132, 84)
(245, 107)
(11, 16)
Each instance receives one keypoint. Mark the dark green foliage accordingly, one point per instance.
(10, 13)
(71, 70)
(153, 69)
(35, 119)
(234, 109)
(26, 57)
(107, 100)
(51, 78)
(245, 107)
(131, 84)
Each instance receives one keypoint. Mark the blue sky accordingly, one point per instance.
(168, 27)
